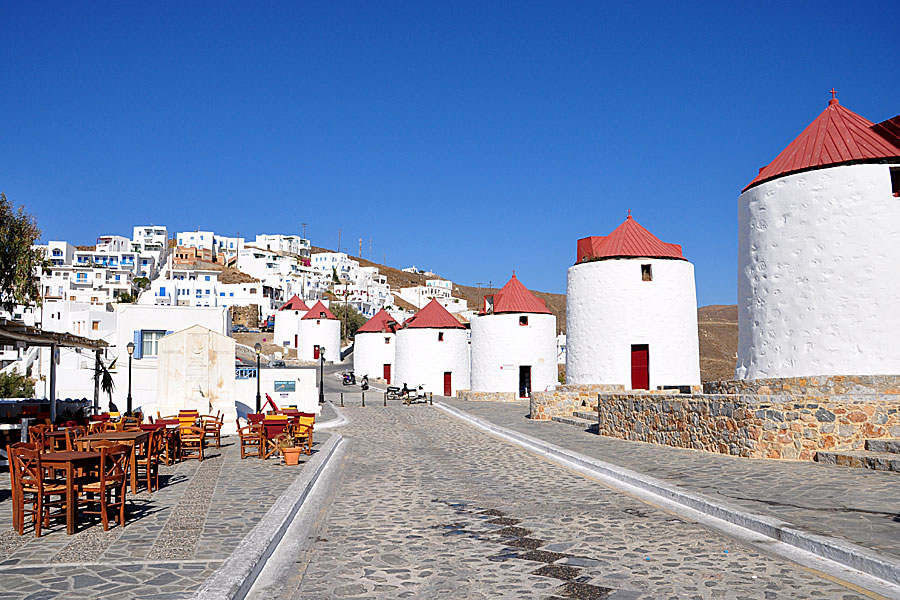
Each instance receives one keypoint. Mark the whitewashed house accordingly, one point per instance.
(514, 343)
(289, 244)
(319, 329)
(374, 347)
(631, 312)
(819, 248)
(433, 351)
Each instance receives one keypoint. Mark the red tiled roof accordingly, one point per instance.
(515, 298)
(627, 240)
(382, 322)
(433, 316)
(838, 135)
(295, 303)
(318, 311)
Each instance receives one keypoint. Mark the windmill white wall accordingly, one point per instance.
(609, 308)
(319, 332)
(287, 327)
(817, 275)
(500, 345)
(422, 360)
(373, 350)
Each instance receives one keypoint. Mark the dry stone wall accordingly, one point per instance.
(486, 396)
(565, 400)
(809, 386)
(777, 426)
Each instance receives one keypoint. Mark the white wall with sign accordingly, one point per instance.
(286, 387)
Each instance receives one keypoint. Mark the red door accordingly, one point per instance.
(640, 367)
(447, 383)
(387, 373)
(295, 340)
(315, 353)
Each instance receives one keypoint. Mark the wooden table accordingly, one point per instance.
(54, 436)
(129, 438)
(70, 461)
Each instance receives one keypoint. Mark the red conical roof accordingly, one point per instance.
(628, 240)
(295, 303)
(382, 322)
(515, 298)
(433, 316)
(838, 135)
(318, 311)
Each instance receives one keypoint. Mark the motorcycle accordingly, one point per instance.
(365, 383)
(349, 378)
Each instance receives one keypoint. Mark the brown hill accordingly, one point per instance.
(717, 324)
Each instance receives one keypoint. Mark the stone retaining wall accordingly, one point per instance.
(565, 400)
(809, 386)
(792, 427)
(486, 396)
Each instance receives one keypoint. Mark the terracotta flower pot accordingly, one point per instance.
(291, 455)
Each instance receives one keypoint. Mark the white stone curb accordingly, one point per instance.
(842, 552)
(240, 570)
(339, 421)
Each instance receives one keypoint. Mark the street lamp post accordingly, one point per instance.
(258, 349)
(130, 348)
(321, 374)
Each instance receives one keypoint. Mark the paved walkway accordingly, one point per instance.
(858, 505)
(173, 540)
(426, 506)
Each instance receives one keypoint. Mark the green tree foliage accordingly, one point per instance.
(334, 275)
(19, 263)
(104, 377)
(351, 319)
(142, 283)
(13, 385)
(126, 298)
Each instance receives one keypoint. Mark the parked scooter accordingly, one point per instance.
(349, 378)
(365, 383)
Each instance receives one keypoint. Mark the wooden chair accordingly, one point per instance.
(191, 442)
(130, 424)
(275, 427)
(36, 434)
(147, 457)
(72, 435)
(96, 427)
(212, 427)
(302, 431)
(255, 418)
(30, 485)
(251, 439)
(108, 490)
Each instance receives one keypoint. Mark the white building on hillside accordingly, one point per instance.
(289, 244)
(433, 351)
(631, 312)
(514, 343)
(819, 245)
(374, 347)
(319, 335)
(151, 243)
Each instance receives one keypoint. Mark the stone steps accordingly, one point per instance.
(587, 415)
(575, 421)
(862, 459)
(883, 445)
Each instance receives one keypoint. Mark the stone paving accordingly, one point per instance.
(173, 540)
(427, 506)
(858, 505)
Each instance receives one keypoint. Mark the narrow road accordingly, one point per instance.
(422, 505)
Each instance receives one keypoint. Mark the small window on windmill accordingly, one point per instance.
(895, 181)
(488, 305)
(523, 320)
(646, 273)
(440, 336)
(387, 340)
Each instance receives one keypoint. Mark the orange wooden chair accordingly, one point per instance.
(30, 485)
(108, 490)
(191, 442)
(251, 439)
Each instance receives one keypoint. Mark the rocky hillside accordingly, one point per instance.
(717, 324)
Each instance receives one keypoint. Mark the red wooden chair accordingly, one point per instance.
(275, 428)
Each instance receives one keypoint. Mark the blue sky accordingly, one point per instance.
(469, 138)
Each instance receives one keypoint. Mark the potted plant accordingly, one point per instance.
(290, 452)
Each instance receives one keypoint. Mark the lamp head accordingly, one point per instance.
(130, 348)
(258, 348)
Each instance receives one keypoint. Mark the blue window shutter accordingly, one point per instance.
(162, 291)
(169, 332)
(138, 343)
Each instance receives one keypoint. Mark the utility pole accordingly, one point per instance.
(304, 230)
(370, 249)
(339, 239)
(360, 247)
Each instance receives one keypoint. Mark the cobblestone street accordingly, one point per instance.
(428, 507)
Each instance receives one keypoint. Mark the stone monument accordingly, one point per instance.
(196, 371)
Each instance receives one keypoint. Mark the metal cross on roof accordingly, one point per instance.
(833, 92)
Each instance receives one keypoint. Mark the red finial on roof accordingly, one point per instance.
(833, 100)
(514, 272)
(629, 213)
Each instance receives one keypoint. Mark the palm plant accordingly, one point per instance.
(104, 377)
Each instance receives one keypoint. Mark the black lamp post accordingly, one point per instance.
(258, 349)
(130, 348)
(321, 374)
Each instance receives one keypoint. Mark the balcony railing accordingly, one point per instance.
(245, 372)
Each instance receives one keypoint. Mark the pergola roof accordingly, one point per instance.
(16, 331)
